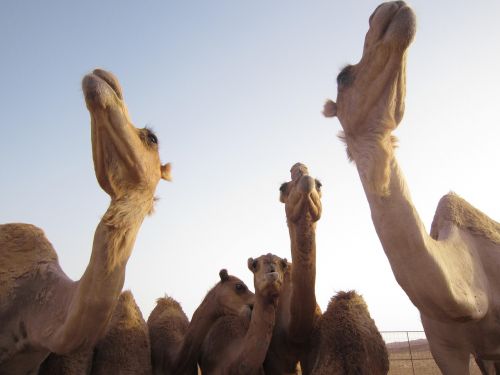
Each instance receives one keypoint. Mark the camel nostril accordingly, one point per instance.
(306, 184)
(251, 306)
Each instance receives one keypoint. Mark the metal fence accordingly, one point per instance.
(409, 354)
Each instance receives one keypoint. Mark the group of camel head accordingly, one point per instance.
(450, 275)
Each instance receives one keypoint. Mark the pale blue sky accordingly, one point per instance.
(234, 90)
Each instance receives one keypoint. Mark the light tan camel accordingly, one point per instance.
(451, 275)
(42, 310)
(230, 296)
(124, 349)
(297, 307)
(346, 340)
(234, 345)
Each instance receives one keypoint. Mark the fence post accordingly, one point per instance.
(411, 355)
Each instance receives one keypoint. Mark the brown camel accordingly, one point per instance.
(124, 349)
(230, 296)
(346, 340)
(167, 324)
(451, 275)
(234, 345)
(78, 362)
(297, 307)
(42, 310)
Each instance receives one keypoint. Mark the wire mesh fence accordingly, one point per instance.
(409, 354)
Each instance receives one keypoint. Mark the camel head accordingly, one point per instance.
(232, 296)
(371, 94)
(301, 196)
(268, 275)
(126, 158)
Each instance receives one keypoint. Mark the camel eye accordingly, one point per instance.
(318, 185)
(284, 264)
(345, 77)
(240, 287)
(152, 139)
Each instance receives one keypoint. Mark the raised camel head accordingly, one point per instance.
(371, 94)
(125, 157)
(301, 196)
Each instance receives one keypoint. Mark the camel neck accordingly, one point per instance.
(303, 241)
(257, 338)
(453, 283)
(303, 299)
(203, 318)
(397, 222)
(97, 292)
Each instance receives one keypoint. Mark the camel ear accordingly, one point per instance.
(330, 108)
(283, 189)
(284, 264)
(252, 264)
(166, 172)
(223, 275)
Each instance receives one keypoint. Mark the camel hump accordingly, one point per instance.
(165, 310)
(127, 313)
(125, 348)
(21, 240)
(24, 250)
(453, 208)
(348, 338)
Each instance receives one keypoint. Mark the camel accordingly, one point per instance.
(176, 352)
(234, 345)
(78, 362)
(451, 274)
(124, 349)
(167, 325)
(42, 310)
(298, 311)
(346, 340)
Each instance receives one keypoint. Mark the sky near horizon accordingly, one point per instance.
(234, 91)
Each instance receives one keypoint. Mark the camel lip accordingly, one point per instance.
(99, 86)
(273, 274)
(110, 80)
(394, 18)
(406, 14)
